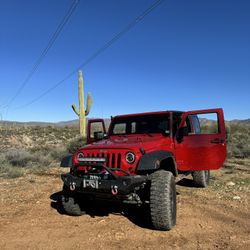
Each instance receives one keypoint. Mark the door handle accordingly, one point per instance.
(217, 141)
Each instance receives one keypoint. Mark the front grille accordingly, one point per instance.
(113, 159)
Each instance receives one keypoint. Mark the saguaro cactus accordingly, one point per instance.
(82, 113)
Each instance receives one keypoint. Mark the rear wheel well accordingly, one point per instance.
(168, 164)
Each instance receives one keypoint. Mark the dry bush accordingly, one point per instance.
(43, 160)
(9, 171)
(75, 144)
(57, 153)
(54, 152)
(18, 157)
(46, 147)
(238, 141)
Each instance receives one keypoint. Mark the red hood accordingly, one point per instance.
(131, 142)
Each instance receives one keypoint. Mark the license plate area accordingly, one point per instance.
(90, 183)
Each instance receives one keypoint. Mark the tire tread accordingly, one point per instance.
(162, 187)
(71, 207)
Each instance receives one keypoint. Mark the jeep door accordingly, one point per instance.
(200, 142)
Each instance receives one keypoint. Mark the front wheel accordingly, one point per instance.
(163, 200)
(71, 206)
(201, 178)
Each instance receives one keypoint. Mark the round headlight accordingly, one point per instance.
(80, 156)
(130, 157)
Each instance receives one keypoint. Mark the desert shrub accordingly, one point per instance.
(12, 172)
(57, 153)
(75, 144)
(43, 160)
(9, 171)
(2, 158)
(42, 157)
(46, 147)
(238, 141)
(18, 157)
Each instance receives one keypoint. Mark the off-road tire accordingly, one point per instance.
(71, 206)
(201, 178)
(162, 200)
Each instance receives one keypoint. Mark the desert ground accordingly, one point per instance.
(31, 215)
(217, 217)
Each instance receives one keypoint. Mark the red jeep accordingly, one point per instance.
(141, 158)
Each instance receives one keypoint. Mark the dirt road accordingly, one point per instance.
(214, 218)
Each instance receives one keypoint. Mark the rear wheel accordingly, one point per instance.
(163, 200)
(201, 178)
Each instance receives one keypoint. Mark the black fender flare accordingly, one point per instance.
(152, 161)
(67, 161)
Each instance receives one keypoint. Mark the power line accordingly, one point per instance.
(99, 51)
(45, 51)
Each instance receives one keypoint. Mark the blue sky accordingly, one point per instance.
(184, 55)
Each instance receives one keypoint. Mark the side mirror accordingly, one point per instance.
(183, 131)
(99, 135)
(95, 126)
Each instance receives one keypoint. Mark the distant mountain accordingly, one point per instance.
(245, 122)
(74, 123)
(23, 124)
(71, 123)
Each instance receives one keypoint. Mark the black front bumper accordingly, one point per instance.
(120, 185)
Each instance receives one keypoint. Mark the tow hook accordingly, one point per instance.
(114, 190)
(72, 186)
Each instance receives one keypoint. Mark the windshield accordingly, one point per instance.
(145, 124)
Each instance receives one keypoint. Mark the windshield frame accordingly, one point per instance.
(150, 118)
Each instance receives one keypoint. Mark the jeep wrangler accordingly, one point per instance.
(141, 158)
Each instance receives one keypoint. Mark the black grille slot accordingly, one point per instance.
(107, 163)
(113, 161)
(119, 161)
